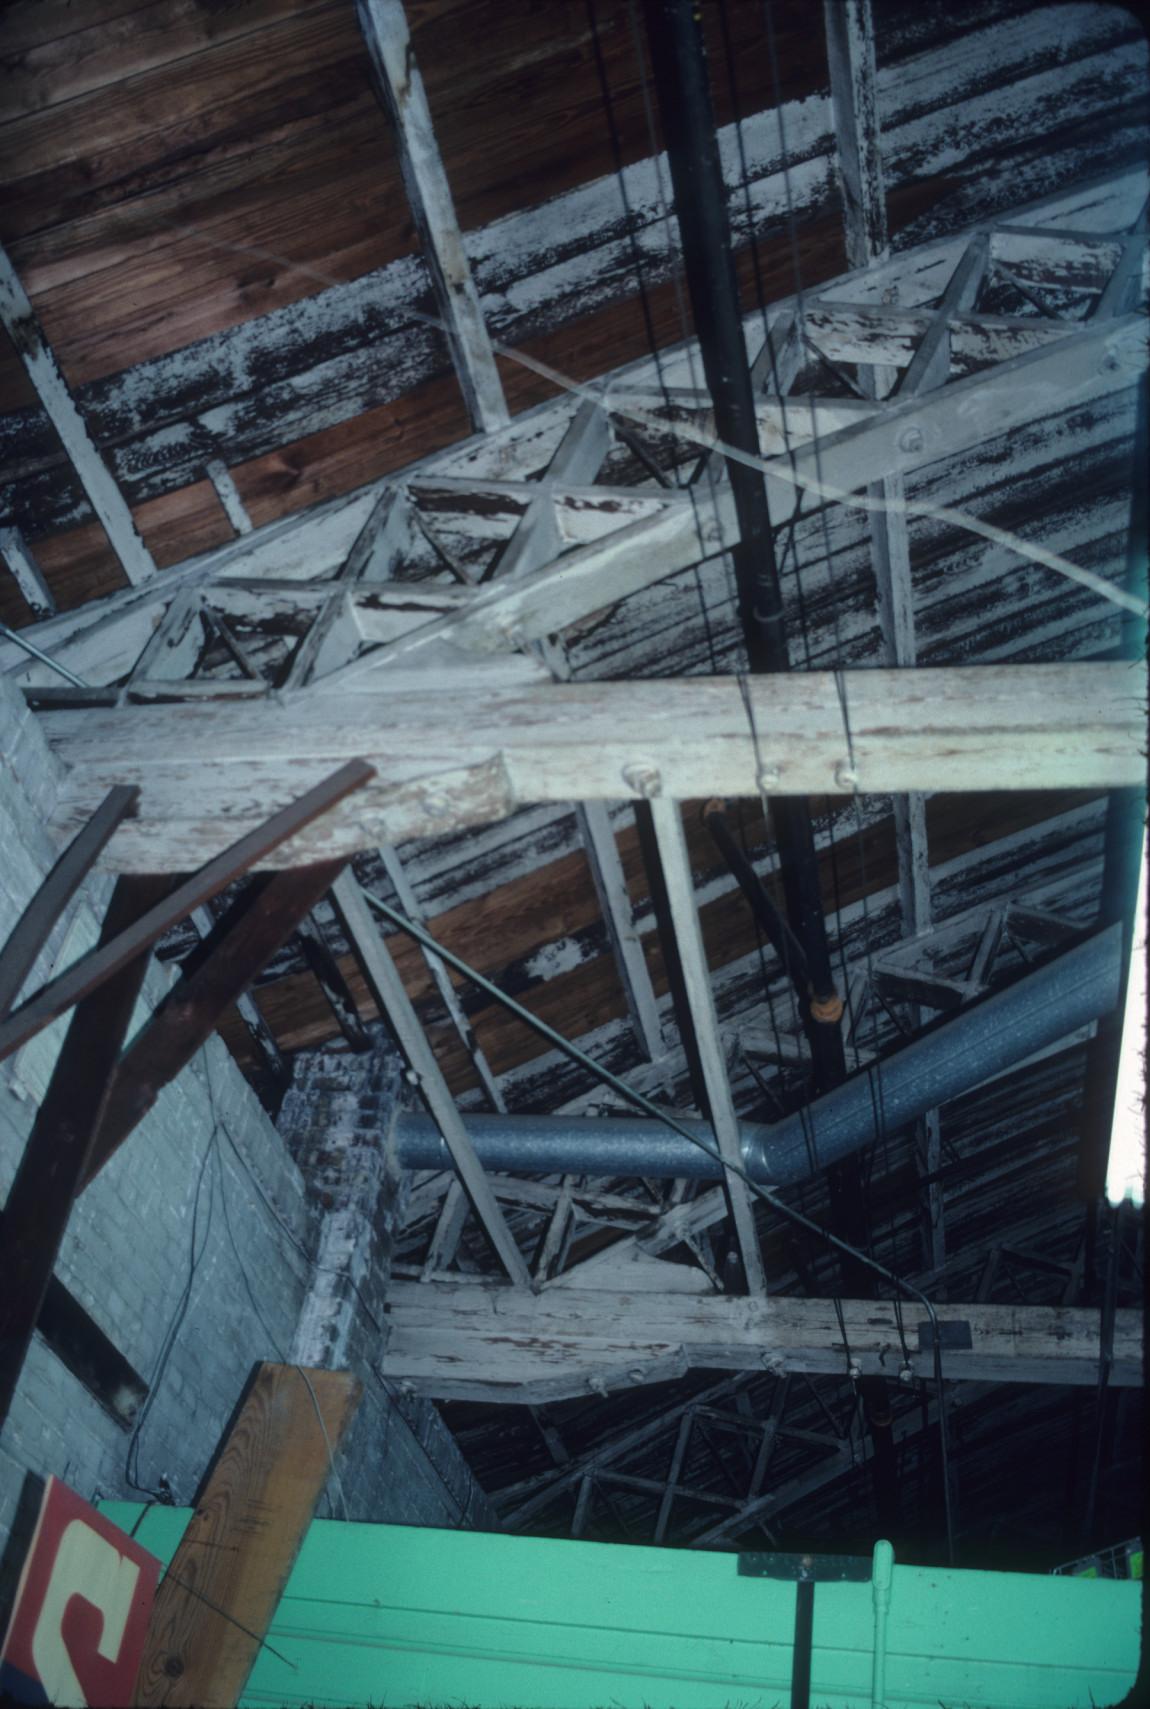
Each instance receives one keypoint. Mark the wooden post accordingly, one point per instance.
(222, 1588)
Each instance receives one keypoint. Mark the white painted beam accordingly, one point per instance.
(101, 642)
(444, 761)
(895, 440)
(228, 494)
(619, 916)
(384, 26)
(410, 903)
(388, 990)
(105, 497)
(854, 106)
(25, 572)
(488, 1343)
(680, 885)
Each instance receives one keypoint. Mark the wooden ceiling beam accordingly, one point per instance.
(468, 1342)
(703, 1021)
(26, 573)
(444, 762)
(394, 1003)
(101, 642)
(400, 87)
(104, 495)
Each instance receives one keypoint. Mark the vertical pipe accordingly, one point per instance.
(804, 1639)
(680, 68)
(679, 63)
(882, 1575)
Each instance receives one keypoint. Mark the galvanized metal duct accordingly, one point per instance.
(954, 1057)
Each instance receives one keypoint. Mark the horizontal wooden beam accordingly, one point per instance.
(446, 761)
(492, 1344)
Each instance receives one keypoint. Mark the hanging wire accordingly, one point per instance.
(687, 485)
(132, 1475)
(624, 195)
(711, 442)
(372, 1316)
(642, 1102)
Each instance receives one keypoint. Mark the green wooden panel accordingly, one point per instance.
(393, 1615)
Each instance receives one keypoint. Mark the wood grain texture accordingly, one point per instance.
(443, 762)
(225, 1582)
(487, 1342)
(503, 932)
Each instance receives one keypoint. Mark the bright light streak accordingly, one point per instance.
(1126, 1171)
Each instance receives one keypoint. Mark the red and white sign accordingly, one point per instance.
(82, 1608)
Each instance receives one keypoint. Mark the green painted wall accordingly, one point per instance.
(398, 1616)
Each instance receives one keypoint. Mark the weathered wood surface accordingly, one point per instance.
(446, 761)
(409, 623)
(264, 843)
(703, 1022)
(104, 496)
(562, 259)
(400, 86)
(26, 573)
(387, 988)
(222, 1588)
(532, 920)
(457, 1341)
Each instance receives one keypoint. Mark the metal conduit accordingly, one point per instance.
(952, 1058)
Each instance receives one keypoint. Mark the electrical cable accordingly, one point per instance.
(132, 1457)
(705, 466)
(314, 1265)
(30, 647)
(642, 1102)
(710, 442)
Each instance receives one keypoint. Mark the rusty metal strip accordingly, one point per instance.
(56, 1155)
(35, 924)
(92, 970)
(191, 1010)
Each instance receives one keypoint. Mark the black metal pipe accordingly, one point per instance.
(776, 929)
(679, 62)
(680, 70)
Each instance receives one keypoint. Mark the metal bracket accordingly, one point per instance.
(807, 1569)
(954, 1335)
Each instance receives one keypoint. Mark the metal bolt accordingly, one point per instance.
(854, 1370)
(910, 439)
(846, 777)
(906, 1375)
(636, 1376)
(642, 776)
(597, 1386)
(769, 777)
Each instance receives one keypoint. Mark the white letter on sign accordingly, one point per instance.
(86, 1566)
